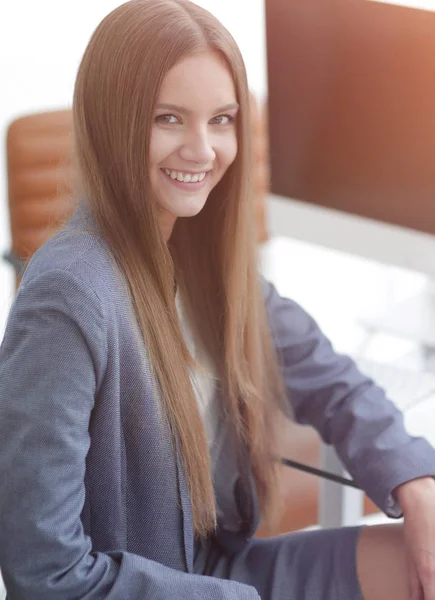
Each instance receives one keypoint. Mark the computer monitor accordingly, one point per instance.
(351, 111)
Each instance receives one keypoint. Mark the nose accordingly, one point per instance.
(198, 147)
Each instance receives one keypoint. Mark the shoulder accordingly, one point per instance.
(66, 279)
(71, 254)
(76, 261)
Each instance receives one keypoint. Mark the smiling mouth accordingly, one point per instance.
(185, 177)
(187, 186)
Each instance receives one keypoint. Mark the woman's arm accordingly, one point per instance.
(327, 391)
(52, 360)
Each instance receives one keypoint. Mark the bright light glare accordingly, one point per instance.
(422, 4)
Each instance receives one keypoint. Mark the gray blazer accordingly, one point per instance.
(93, 499)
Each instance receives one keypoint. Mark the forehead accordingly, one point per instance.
(199, 82)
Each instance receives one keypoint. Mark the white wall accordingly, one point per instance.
(41, 43)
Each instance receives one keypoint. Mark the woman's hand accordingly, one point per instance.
(417, 501)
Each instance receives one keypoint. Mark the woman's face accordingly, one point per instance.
(193, 139)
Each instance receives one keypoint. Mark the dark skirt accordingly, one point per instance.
(307, 565)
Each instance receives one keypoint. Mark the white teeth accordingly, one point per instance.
(188, 178)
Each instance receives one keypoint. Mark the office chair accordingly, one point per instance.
(38, 151)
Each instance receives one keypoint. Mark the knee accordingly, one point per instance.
(375, 536)
(381, 562)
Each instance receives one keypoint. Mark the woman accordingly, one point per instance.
(146, 369)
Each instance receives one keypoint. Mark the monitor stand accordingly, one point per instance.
(412, 319)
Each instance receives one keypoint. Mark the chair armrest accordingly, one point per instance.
(339, 505)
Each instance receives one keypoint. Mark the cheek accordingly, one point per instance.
(161, 146)
(228, 151)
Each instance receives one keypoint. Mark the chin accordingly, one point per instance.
(187, 209)
(189, 213)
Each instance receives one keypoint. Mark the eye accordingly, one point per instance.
(166, 119)
(224, 119)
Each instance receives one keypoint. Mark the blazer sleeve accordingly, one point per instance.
(51, 362)
(326, 390)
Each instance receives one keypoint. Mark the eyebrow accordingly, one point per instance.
(186, 111)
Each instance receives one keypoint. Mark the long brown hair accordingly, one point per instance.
(213, 256)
